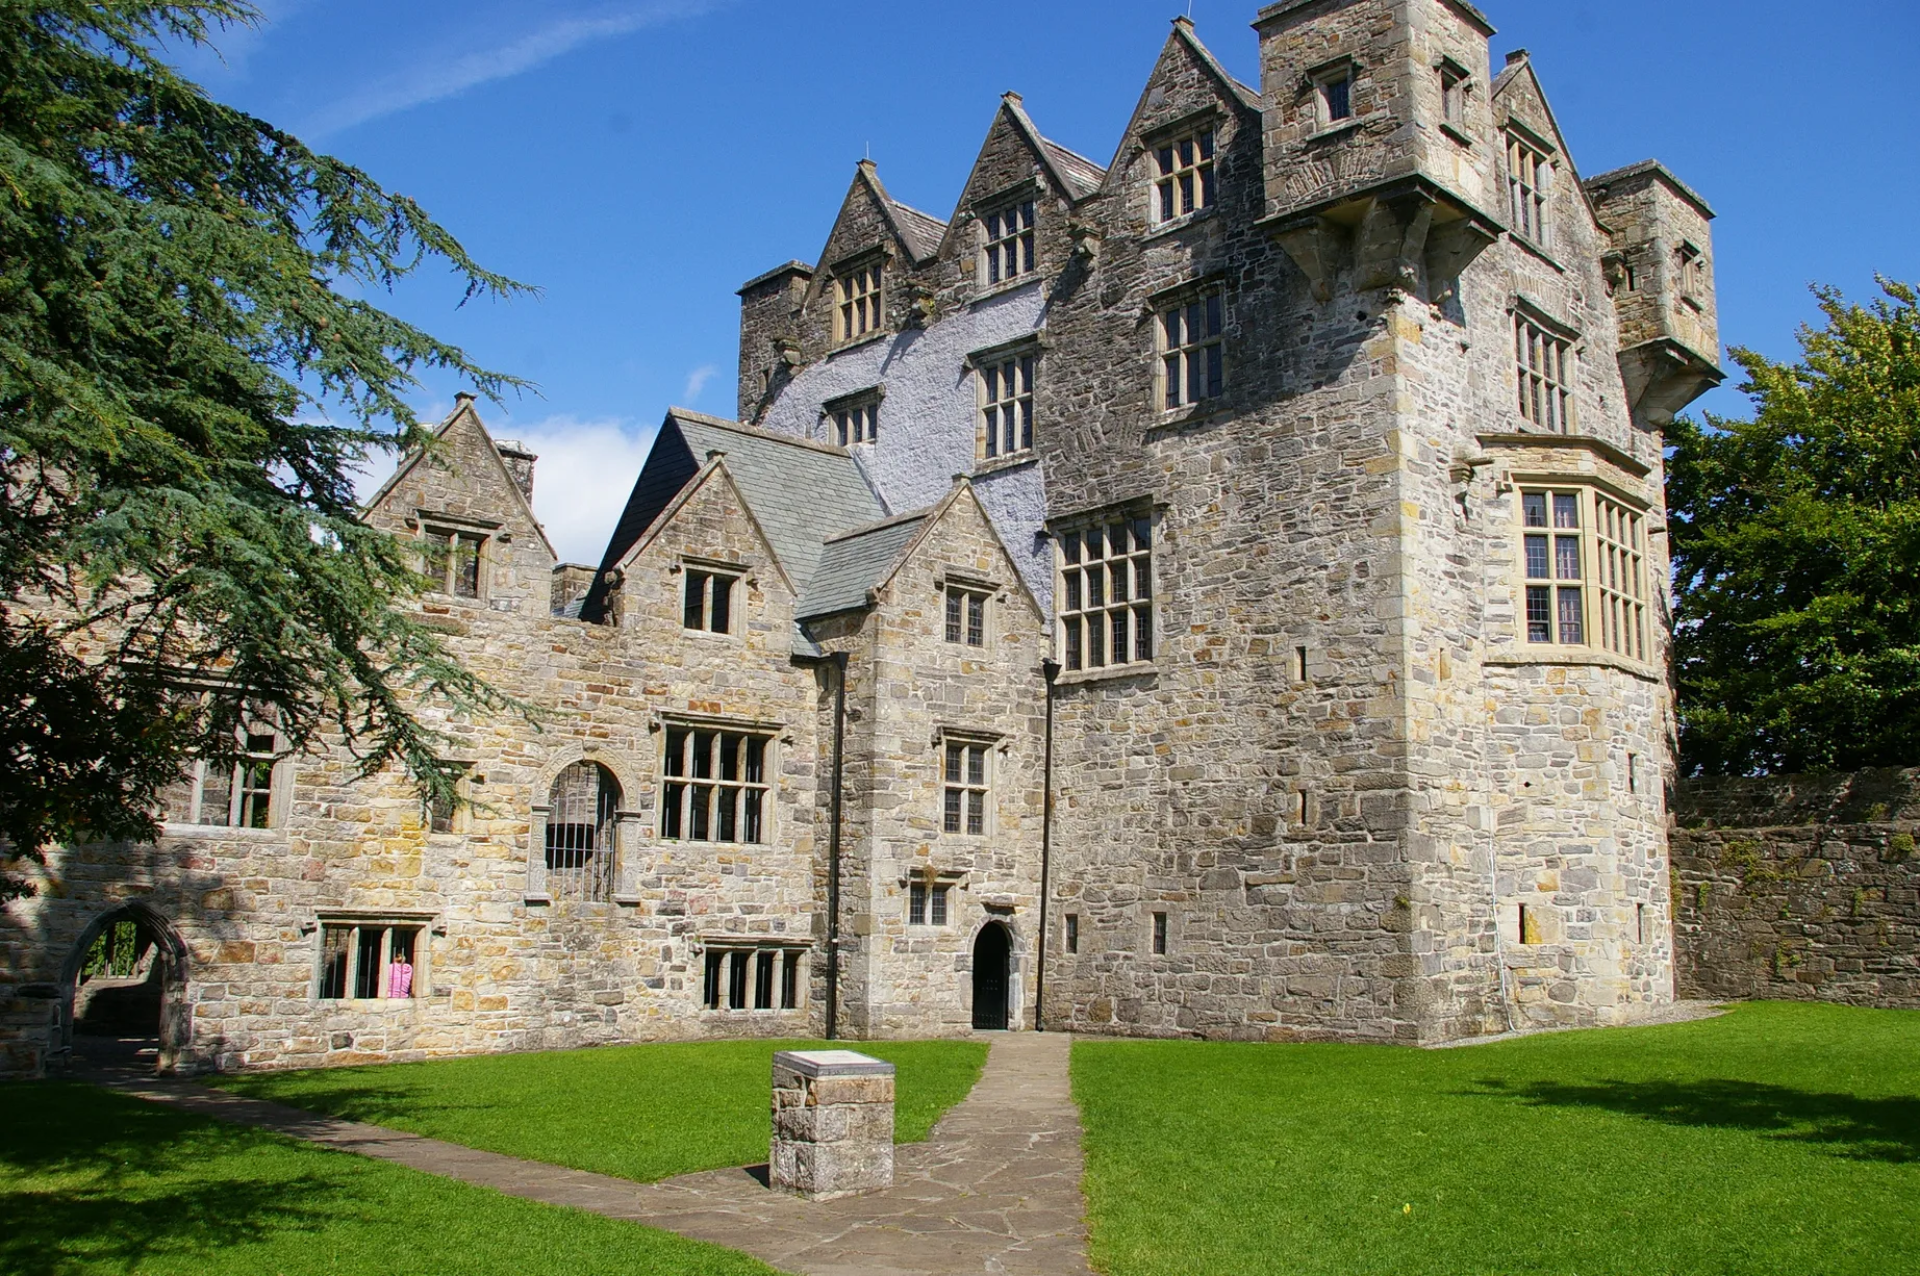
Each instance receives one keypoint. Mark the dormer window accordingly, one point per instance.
(1529, 186)
(860, 294)
(1183, 176)
(1010, 242)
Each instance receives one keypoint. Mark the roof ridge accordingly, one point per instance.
(755, 432)
(1071, 153)
(868, 529)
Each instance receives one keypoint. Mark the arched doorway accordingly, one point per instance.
(124, 988)
(992, 971)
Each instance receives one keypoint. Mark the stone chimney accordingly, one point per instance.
(519, 464)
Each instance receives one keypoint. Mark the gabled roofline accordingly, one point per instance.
(463, 402)
(717, 465)
(1518, 62)
(1183, 35)
(722, 423)
(932, 515)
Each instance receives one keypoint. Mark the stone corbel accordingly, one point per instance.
(1663, 377)
(919, 305)
(1086, 243)
(1391, 243)
(1314, 248)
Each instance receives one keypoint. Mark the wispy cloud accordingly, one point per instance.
(697, 381)
(581, 482)
(434, 81)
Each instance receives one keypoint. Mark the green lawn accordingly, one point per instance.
(93, 1182)
(640, 1112)
(1777, 1139)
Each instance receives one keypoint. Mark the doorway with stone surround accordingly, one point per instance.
(124, 992)
(992, 977)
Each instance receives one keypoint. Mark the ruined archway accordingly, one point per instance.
(124, 991)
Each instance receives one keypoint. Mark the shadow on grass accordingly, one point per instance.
(51, 1233)
(370, 1105)
(1853, 1127)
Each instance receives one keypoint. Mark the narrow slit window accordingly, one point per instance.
(1336, 99)
(1300, 659)
(1073, 933)
(1160, 934)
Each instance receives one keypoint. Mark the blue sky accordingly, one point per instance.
(639, 159)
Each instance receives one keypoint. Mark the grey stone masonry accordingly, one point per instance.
(1799, 887)
(832, 1124)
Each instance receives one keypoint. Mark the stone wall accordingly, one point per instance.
(1801, 887)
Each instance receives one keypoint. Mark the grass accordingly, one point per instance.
(94, 1182)
(1776, 1139)
(638, 1112)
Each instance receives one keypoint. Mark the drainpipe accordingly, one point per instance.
(1049, 669)
(833, 845)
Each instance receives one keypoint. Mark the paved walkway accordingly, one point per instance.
(996, 1189)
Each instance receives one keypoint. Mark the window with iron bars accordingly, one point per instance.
(751, 979)
(964, 805)
(715, 787)
(369, 961)
(582, 833)
(1009, 242)
(1105, 593)
(1183, 176)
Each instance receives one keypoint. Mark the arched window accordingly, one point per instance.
(581, 844)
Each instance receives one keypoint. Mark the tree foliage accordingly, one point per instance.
(189, 373)
(1796, 551)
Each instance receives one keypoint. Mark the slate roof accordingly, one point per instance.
(801, 492)
(855, 562)
(922, 231)
(1083, 173)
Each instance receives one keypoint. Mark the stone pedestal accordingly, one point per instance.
(832, 1124)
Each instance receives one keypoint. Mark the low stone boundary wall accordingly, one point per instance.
(1799, 887)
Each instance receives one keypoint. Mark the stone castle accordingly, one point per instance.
(1220, 593)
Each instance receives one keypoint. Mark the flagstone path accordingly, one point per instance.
(994, 1189)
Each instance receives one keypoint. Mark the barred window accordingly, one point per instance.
(1556, 611)
(1192, 351)
(1105, 593)
(1010, 242)
(1545, 370)
(966, 616)
(1007, 406)
(965, 802)
(857, 423)
(715, 787)
(1529, 185)
(236, 795)
(707, 601)
(369, 961)
(859, 303)
(582, 842)
(927, 904)
(453, 561)
(1183, 176)
(1620, 578)
(740, 978)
